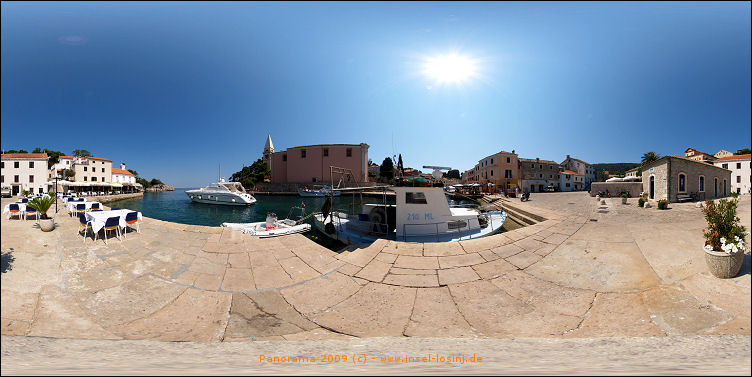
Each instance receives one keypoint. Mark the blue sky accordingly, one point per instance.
(175, 89)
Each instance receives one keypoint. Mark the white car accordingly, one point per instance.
(6, 191)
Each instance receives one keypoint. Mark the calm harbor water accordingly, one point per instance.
(175, 206)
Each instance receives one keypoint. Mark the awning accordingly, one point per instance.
(138, 184)
(116, 185)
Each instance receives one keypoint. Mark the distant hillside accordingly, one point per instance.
(613, 168)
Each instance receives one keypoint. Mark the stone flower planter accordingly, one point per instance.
(623, 200)
(47, 225)
(723, 265)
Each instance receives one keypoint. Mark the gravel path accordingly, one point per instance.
(707, 355)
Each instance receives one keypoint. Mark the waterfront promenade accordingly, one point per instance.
(586, 271)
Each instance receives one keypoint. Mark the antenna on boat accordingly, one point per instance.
(219, 172)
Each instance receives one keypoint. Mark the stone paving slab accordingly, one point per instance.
(435, 315)
(457, 275)
(374, 271)
(59, 316)
(418, 263)
(617, 313)
(375, 310)
(412, 280)
(677, 312)
(320, 293)
(437, 249)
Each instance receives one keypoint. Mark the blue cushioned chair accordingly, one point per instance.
(14, 210)
(86, 225)
(112, 223)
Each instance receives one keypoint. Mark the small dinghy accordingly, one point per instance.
(272, 227)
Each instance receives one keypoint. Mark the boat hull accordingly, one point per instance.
(219, 198)
(344, 234)
(259, 230)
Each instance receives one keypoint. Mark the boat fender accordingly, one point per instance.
(329, 228)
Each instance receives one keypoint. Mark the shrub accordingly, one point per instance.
(734, 194)
(641, 202)
(623, 194)
(723, 225)
(43, 204)
(662, 204)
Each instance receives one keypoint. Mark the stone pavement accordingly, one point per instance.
(587, 271)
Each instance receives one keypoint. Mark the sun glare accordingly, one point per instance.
(452, 68)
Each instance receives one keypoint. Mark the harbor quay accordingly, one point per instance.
(583, 270)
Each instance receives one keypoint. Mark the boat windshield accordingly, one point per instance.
(233, 186)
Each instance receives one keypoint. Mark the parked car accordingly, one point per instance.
(550, 188)
(6, 192)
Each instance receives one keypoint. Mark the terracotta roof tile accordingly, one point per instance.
(24, 155)
(735, 157)
(121, 171)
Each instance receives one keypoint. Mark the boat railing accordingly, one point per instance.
(363, 226)
(437, 233)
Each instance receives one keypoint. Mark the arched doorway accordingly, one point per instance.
(724, 188)
(652, 187)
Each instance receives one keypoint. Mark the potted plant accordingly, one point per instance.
(663, 204)
(724, 238)
(25, 193)
(623, 198)
(641, 202)
(43, 204)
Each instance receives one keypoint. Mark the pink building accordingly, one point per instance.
(310, 163)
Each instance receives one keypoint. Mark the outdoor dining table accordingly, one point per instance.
(72, 205)
(21, 207)
(68, 199)
(98, 218)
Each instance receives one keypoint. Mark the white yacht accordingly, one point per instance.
(422, 214)
(227, 193)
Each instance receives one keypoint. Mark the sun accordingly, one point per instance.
(450, 69)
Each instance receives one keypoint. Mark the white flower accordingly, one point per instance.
(708, 248)
(723, 239)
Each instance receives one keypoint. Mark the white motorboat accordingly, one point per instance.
(272, 227)
(226, 193)
(422, 214)
(322, 192)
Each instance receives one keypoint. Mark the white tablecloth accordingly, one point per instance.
(72, 205)
(69, 200)
(21, 207)
(98, 218)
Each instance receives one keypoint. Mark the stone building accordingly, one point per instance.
(741, 171)
(695, 155)
(670, 176)
(580, 167)
(311, 163)
(571, 181)
(722, 153)
(536, 174)
(24, 171)
(268, 151)
(501, 169)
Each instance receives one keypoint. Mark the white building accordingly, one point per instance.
(123, 176)
(582, 168)
(24, 171)
(571, 181)
(741, 171)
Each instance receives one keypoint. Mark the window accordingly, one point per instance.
(415, 198)
(302, 153)
(725, 166)
(508, 173)
(492, 172)
(2, 165)
(102, 170)
(567, 185)
(86, 178)
(541, 166)
(492, 161)
(738, 165)
(15, 164)
(541, 176)
(284, 157)
(507, 160)
(532, 166)
(349, 152)
(313, 179)
(326, 152)
(738, 179)
(31, 164)
(682, 183)
(85, 168)
(15, 178)
(93, 179)
(702, 184)
(31, 179)
(551, 176)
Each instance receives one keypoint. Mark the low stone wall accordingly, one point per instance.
(114, 198)
(614, 188)
(268, 187)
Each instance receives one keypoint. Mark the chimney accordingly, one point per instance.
(122, 165)
(567, 157)
(537, 159)
(512, 151)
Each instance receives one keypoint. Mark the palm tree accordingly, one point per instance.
(650, 157)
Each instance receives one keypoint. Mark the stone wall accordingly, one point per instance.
(113, 198)
(614, 188)
(667, 179)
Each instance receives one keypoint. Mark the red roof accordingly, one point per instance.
(24, 155)
(121, 171)
(91, 158)
(736, 157)
(569, 172)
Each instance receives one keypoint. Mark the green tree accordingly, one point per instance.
(133, 172)
(155, 182)
(143, 182)
(743, 151)
(37, 150)
(53, 156)
(454, 173)
(68, 173)
(250, 175)
(639, 171)
(387, 169)
(400, 166)
(649, 157)
(81, 153)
